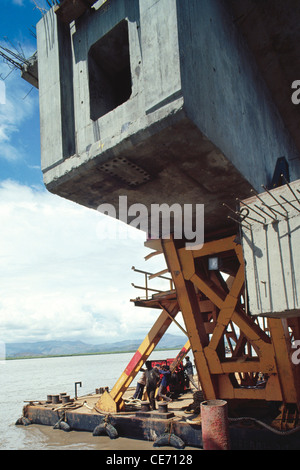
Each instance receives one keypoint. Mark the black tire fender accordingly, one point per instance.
(169, 440)
(105, 429)
(62, 425)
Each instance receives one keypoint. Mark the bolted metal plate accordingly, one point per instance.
(127, 171)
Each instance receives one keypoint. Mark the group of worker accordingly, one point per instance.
(154, 376)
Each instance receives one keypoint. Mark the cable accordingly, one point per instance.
(275, 431)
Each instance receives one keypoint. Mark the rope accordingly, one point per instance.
(69, 406)
(87, 406)
(132, 401)
(106, 420)
(170, 426)
(101, 412)
(275, 431)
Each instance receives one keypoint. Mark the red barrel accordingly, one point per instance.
(214, 424)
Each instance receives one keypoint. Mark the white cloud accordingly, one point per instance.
(59, 279)
(15, 110)
(2, 92)
(12, 115)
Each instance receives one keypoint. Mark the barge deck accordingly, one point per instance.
(82, 415)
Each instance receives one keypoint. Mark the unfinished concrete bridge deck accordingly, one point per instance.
(168, 101)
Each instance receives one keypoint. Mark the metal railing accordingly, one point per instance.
(148, 277)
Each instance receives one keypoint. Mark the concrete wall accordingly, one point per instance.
(271, 251)
(55, 91)
(154, 63)
(225, 95)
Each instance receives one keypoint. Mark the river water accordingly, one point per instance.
(34, 379)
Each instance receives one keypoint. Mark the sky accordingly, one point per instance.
(63, 275)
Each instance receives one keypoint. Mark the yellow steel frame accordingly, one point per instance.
(213, 312)
(268, 353)
(113, 401)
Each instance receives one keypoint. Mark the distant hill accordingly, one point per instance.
(65, 348)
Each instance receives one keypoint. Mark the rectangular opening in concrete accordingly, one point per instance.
(109, 71)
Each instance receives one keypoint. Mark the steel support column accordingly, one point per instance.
(113, 401)
(254, 350)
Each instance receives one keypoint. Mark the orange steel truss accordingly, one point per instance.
(238, 357)
(113, 401)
